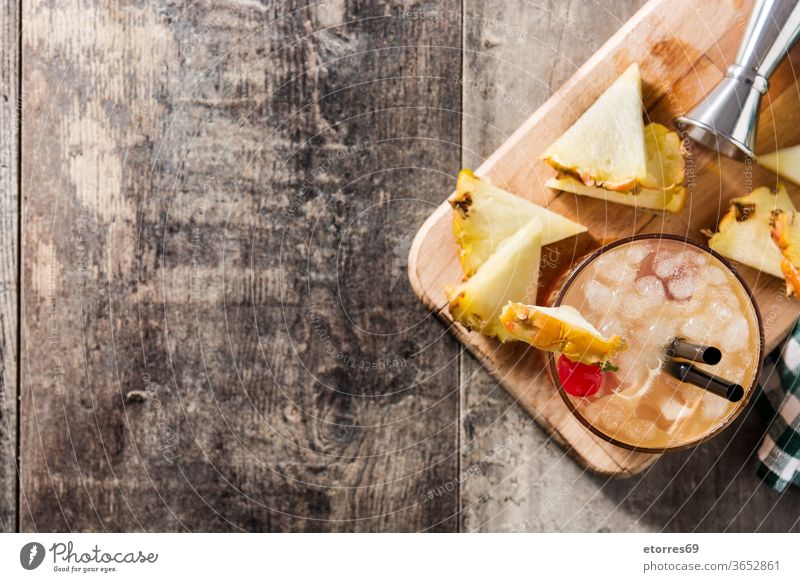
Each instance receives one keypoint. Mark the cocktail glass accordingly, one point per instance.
(649, 289)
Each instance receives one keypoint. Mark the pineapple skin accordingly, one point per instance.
(545, 330)
(786, 234)
(672, 200)
(660, 190)
(484, 216)
(510, 274)
(744, 234)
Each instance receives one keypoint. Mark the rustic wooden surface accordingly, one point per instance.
(217, 330)
(9, 248)
(217, 201)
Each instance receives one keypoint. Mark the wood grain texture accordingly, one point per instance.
(9, 247)
(522, 481)
(217, 331)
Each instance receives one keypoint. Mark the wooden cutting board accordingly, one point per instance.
(683, 48)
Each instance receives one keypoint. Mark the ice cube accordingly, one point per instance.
(690, 394)
(667, 264)
(639, 431)
(691, 306)
(651, 290)
(639, 307)
(734, 373)
(741, 361)
(696, 258)
(632, 369)
(673, 410)
(682, 286)
(715, 276)
(696, 328)
(714, 408)
(661, 330)
(733, 366)
(636, 254)
(635, 308)
(737, 335)
(720, 310)
(611, 415)
(612, 267)
(599, 297)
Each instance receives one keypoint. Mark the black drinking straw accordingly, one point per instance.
(687, 372)
(681, 348)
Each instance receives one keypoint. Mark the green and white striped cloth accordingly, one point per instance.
(779, 402)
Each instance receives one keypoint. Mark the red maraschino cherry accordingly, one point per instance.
(579, 379)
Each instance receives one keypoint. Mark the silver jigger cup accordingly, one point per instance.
(726, 120)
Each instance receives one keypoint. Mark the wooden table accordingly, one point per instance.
(209, 207)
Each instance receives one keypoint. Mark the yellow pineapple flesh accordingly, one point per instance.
(744, 234)
(606, 145)
(560, 329)
(510, 274)
(660, 190)
(785, 163)
(484, 216)
(665, 163)
(786, 235)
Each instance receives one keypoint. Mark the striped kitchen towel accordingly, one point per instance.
(779, 402)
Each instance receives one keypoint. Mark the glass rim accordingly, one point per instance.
(590, 258)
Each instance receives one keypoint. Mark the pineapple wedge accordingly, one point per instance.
(786, 234)
(510, 274)
(672, 200)
(665, 166)
(785, 163)
(744, 233)
(606, 145)
(560, 329)
(485, 215)
(665, 171)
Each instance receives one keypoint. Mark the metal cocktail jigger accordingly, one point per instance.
(726, 120)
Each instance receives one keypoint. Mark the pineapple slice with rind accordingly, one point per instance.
(786, 234)
(744, 233)
(560, 329)
(665, 171)
(672, 200)
(665, 164)
(485, 215)
(785, 163)
(606, 145)
(510, 274)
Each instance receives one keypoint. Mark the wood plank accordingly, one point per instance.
(9, 239)
(519, 469)
(218, 334)
(522, 481)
